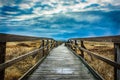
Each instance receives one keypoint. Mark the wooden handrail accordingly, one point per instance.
(116, 42)
(19, 58)
(4, 38)
(110, 62)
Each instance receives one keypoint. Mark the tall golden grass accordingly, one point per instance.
(15, 49)
(104, 49)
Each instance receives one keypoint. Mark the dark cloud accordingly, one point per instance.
(52, 19)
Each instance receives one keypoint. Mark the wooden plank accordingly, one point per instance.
(35, 66)
(117, 59)
(2, 58)
(12, 38)
(96, 74)
(32, 69)
(61, 64)
(115, 39)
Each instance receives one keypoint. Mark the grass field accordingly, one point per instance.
(15, 49)
(104, 49)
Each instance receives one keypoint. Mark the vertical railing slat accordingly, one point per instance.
(2, 58)
(82, 45)
(43, 44)
(117, 59)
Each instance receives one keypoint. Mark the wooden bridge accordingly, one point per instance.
(60, 60)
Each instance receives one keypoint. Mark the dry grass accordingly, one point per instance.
(103, 49)
(15, 49)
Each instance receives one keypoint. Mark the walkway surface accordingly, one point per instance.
(61, 64)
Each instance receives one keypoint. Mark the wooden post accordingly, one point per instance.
(43, 44)
(75, 42)
(67, 43)
(75, 45)
(47, 45)
(71, 43)
(82, 52)
(2, 58)
(117, 59)
(56, 44)
(51, 44)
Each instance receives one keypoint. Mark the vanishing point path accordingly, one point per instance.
(61, 64)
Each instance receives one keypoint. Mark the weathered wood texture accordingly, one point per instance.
(117, 59)
(43, 44)
(61, 64)
(4, 38)
(115, 40)
(13, 61)
(2, 58)
(110, 62)
(82, 45)
(22, 57)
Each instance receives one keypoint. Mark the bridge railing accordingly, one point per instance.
(45, 47)
(73, 44)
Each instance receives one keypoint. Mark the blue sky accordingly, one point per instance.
(60, 19)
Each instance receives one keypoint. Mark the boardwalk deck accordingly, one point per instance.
(61, 64)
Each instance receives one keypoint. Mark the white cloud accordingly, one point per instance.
(8, 12)
(66, 31)
(39, 29)
(79, 7)
(25, 6)
(82, 17)
(55, 26)
(35, 0)
(99, 1)
(23, 17)
(50, 3)
(37, 10)
(58, 6)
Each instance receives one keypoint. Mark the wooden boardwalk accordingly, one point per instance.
(61, 64)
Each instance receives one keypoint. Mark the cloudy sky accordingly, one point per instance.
(60, 19)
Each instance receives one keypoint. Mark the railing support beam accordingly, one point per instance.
(76, 45)
(47, 44)
(43, 44)
(82, 45)
(2, 58)
(117, 59)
